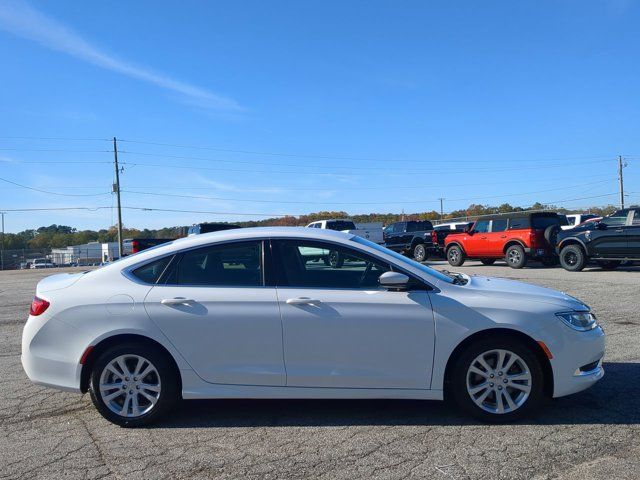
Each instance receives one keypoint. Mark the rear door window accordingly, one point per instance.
(231, 264)
(618, 218)
(499, 225)
(151, 272)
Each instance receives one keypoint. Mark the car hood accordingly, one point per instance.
(58, 282)
(500, 287)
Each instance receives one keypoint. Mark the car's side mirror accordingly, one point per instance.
(600, 226)
(393, 280)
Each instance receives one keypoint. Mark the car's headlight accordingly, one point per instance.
(581, 321)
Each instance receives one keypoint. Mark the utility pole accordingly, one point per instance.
(441, 208)
(2, 244)
(116, 189)
(620, 167)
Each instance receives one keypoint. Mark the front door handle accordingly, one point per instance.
(483, 238)
(302, 301)
(176, 301)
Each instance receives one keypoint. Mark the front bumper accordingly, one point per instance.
(577, 365)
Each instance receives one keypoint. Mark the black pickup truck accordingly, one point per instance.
(411, 238)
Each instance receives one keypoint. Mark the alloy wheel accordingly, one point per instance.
(130, 386)
(514, 256)
(499, 381)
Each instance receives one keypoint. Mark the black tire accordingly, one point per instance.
(168, 381)
(515, 256)
(549, 261)
(610, 264)
(458, 386)
(419, 252)
(336, 259)
(573, 258)
(455, 256)
(488, 261)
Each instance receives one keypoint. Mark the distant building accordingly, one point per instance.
(88, 253)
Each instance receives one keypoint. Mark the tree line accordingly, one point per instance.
(55, 236)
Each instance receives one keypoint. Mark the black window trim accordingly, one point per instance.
(415, 281)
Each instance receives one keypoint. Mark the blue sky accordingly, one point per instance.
(308, 106)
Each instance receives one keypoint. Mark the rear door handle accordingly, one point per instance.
(176, 301)
(302, 301)
(619, 230)
(483, 238)
(503, 236)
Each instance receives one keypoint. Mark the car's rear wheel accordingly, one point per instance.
(610, 264)
(455, 256)
(488, 261)
(498, 380)
(572, 258)
(133, 384)
(419, 253)
(515, 256)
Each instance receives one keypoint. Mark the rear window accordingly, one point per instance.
(539, 222)
(419, 226)
(151, 272)
(341, 225)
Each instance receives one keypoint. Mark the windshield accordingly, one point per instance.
(428, 270)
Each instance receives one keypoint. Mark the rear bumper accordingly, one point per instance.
(44, 360)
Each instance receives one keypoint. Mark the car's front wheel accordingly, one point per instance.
(455, 256)
(498, 380)
(572, 258)
(133, 384)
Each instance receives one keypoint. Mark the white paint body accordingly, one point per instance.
(249, 342)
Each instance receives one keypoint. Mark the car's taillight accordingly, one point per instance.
(135, 246)
(434, 237)
(38, 306)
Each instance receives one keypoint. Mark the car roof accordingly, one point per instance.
(516, 215)
(238, 234)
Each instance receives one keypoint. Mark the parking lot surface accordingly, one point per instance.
(594, 434)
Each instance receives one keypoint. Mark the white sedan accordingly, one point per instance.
(242, 314)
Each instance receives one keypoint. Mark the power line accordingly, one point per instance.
(53, 193)
(332, 157)
(72, 139)
(359, 172)
(53, 150)
(295, 165)
(322, 202)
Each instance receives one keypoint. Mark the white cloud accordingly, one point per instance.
(19, 18)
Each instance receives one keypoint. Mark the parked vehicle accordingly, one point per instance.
(575, 219)
(370, 231)
(42, 263)
(135, 245)
(608, 242)
(516, 237)
(209, 227)
(442, 231)
(200, 317)
(412, 238)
